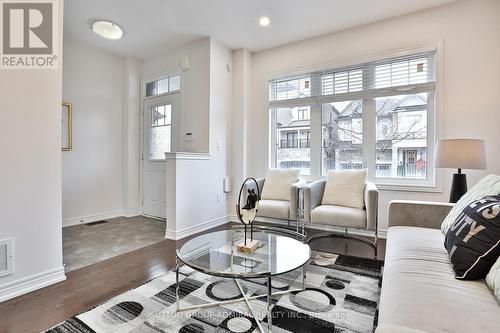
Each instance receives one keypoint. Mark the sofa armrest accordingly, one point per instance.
(260, 182)
(294, 198)
(313, 195)
(423, 214)
(371, 205)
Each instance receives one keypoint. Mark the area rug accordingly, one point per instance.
(342, 295)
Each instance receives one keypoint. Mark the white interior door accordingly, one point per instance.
(161, 116)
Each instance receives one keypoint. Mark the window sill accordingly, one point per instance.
(409, 188)
(382, 186)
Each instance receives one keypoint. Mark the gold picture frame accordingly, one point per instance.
(67, 126)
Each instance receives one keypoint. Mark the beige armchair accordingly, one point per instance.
(324, 216)
(279, 209)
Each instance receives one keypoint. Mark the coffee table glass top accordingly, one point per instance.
(215, 253)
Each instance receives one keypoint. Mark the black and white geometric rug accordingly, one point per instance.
(342, 295)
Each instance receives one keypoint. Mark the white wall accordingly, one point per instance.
(240, 112)
(470, 99)
(220, 122)
(92, 171)
(195, 198)
(101, 172)
(194, 90)
(30, 177)
(130, 137)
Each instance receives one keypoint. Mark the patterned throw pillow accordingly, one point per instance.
(473, 239)
(489, 185)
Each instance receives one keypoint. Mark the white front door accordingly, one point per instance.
(161, 116)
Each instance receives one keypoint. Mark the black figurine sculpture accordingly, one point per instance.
(252, 199)
(248, 213)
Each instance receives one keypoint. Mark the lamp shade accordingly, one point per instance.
(460, 154)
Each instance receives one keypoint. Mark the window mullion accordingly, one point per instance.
(369, 123)
(315, 123)
(369, 136)
(315, 141)
(273, 138)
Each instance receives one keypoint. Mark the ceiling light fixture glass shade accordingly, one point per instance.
(264, 21)
(107, 29)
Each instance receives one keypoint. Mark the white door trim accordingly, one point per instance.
(144, 80)
(153, 200)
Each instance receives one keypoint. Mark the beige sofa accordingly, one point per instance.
(419, 291)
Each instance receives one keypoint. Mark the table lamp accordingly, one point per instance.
(460, 154)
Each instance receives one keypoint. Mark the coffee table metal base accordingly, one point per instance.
(246, 298)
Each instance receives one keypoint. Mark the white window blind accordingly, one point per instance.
(342, 82)
(412, 74)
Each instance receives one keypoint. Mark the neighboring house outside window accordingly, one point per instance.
(395, 97)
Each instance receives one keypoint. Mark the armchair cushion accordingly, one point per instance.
(345, 188)
(278, 183)
(339, 216)
(274, 209)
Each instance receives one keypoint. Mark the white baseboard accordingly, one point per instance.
(98, 217)
(132, 212)
(31, 283)
(180, 234)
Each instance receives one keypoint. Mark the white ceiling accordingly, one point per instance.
(155, 26)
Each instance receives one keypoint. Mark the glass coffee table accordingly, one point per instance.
(215, 254)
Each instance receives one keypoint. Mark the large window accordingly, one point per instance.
(377, 115)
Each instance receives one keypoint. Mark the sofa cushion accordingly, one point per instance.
(489, 185)
(278, 183)
(345, 188)
(419, 289)
(275, 209)
(339, 216)
(473, 241)
(493, 279)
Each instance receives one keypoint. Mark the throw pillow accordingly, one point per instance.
(345, 188)
(278, 183)
(493, 279)
(473, 240)
(489, 185)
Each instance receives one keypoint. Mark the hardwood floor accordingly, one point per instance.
(90, 286)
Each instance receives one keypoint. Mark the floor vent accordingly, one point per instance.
(96, 222)
(6, 257)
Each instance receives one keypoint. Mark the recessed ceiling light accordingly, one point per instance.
(264, 21)
(107, 29)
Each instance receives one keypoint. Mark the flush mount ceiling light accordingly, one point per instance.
(264, 21)
(107, 29)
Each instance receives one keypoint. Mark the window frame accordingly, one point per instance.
(433, 181)
(158, 77)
